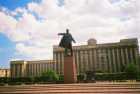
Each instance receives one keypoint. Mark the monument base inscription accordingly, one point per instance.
(70, 75)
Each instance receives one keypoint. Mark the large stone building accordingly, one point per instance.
(22, 68)
(108, 57)
(4, 72)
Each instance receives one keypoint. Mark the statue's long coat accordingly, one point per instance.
(66, 41)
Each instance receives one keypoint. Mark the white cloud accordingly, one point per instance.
(98, 19)
(6, 22)
(34, 52)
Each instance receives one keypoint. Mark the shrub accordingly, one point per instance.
(49, 75)
(61, 77)
(3, 79)
(80, 77)
(110, 76)
(131, 71)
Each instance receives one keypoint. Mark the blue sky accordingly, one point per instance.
(7, 47)
(28, 28)
(6, 50)
(12, 4)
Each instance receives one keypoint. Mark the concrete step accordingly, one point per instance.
(72, 89)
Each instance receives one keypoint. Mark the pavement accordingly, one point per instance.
(78, 88)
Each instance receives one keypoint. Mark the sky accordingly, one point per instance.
(29, 28)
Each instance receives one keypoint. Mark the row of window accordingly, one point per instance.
(107, 59)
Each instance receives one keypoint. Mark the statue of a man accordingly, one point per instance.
(66, 42)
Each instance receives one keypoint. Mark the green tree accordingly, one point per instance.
(50, 75)
(131, 71)
(138, 67)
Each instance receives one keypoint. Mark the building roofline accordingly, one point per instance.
(122, 42)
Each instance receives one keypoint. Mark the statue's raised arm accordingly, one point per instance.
(61, 33)
(66, 42)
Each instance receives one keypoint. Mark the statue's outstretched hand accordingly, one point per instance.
(58, 34)
(61, 33)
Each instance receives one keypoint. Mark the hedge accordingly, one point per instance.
(114, 76)
(98, 77)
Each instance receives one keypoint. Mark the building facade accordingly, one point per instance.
(30, 68)
(4, 72)
(108, 57)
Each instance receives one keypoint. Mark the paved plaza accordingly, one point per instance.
(81, 88)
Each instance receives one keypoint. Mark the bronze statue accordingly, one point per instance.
(66, 42)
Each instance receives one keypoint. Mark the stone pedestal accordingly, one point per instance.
(70, 75)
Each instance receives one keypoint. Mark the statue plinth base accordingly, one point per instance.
(70, 75)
